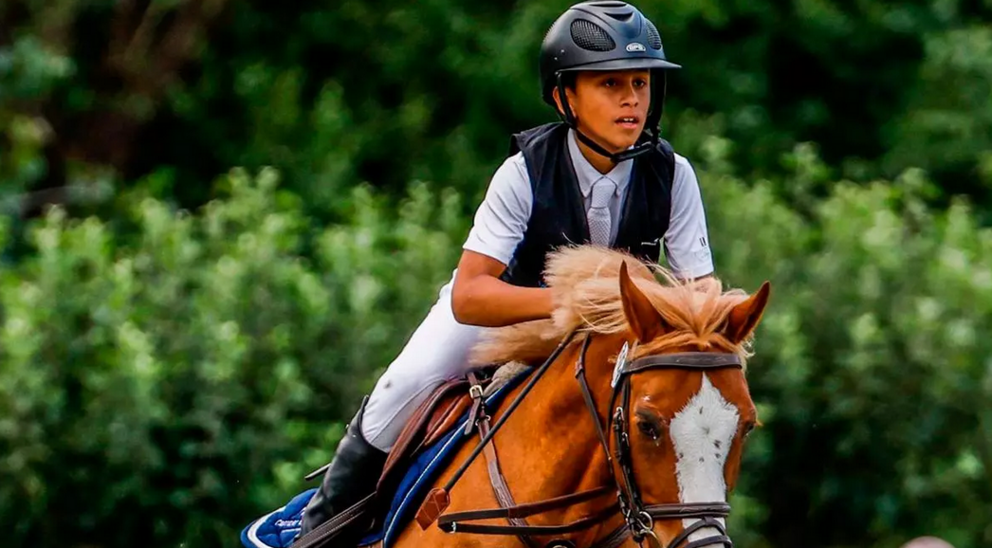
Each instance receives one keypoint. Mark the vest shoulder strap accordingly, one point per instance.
(524, 139)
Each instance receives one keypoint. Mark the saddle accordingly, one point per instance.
(434, 418)
(458, 404)
(444, 409)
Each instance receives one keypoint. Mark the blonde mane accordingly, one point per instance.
(585, 281)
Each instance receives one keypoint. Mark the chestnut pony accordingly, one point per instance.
(610, 447)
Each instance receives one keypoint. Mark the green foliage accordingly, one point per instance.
(871, 374)
(432, 92)
(336, 92)
(949, 125)
(163, 380)
(28, 70)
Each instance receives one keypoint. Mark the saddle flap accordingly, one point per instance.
(439, 410)
(445, 417)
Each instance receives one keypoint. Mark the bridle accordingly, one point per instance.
(638, 518)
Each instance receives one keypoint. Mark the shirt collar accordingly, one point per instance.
(589, 175)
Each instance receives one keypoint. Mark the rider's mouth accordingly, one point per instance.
(628, 122)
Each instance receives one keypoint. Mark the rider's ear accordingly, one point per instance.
(744, 317)
(642, 317)
(557, 98)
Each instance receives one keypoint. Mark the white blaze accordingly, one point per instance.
(702, 433)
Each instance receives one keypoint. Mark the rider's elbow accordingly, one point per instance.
(461, 306)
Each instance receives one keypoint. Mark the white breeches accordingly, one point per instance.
(436, 352)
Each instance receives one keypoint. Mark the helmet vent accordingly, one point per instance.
(590, 36)
(610, 5)
(654, 39)
(621, 16)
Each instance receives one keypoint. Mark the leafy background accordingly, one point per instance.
(221, 219)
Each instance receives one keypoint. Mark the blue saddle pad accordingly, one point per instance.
(279, 528)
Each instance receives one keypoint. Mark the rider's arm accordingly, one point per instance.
(687, 241)
(479, 297)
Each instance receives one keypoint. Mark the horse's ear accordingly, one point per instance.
(744, 317)
(644, 320)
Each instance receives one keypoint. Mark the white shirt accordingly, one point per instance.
(501, 220)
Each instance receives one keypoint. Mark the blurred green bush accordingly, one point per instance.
(155, 370)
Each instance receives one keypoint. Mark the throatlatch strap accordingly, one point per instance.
(580, 374)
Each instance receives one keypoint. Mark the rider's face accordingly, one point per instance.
(611, 106)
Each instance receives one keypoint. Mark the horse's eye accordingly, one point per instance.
(649, 429)
(748, 427)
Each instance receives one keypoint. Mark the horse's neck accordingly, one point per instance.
(552, 447)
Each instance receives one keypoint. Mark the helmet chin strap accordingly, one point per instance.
(650, 130)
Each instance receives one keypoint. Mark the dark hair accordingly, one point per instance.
(569, 79)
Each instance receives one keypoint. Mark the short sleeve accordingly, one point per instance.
(687, 240)
(501, 220)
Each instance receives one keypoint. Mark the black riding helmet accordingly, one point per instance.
(605, 35)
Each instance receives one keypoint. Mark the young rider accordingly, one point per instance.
(602, 176)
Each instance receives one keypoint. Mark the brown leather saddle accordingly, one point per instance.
(432, 420)
(435, 418)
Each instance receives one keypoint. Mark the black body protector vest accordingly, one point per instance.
(558, 216)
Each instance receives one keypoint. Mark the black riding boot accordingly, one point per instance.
(350, 477)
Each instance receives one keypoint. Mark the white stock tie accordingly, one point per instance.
(600, 224)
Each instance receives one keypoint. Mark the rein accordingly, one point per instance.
(638, 518)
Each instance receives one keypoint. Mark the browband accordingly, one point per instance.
(687, 360)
